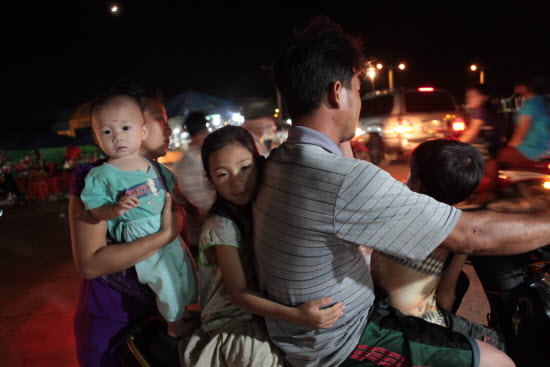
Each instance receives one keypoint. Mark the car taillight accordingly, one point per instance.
(402, 127)
(426, 89)
(459, 125)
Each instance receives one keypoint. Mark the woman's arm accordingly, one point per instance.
(308, 313)
(92, 256)
(472, 131)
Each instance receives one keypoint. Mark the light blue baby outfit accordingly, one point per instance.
(170, 271)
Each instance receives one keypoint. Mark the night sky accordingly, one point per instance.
(60, 55)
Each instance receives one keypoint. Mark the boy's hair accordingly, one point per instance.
(317, 57)
(195, 122)
(108, 98)
(446, 169)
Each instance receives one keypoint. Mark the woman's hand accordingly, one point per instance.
(171, 220)
(311, 314)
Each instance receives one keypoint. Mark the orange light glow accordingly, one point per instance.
(459, 126)
(426, 89)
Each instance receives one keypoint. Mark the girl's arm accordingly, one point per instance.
(92, 256)
(308, 313)
(472, 131)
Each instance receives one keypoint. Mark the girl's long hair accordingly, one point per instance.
(215, 141)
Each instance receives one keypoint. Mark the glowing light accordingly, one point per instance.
(403, 127)
(277, 110)
(276, 115)
(289, 122)
(371, 72)
(216, 120)
(546, 185)
(379, 66)
(176, 131)
(359, 132)
(459, 126)
(114, 9)
(237, 118)
(473, 67)
(402, 66)
(426, 89)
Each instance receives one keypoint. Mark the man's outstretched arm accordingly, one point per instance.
(491, 233)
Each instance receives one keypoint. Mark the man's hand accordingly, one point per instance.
(311, 314)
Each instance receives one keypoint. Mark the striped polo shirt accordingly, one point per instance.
(313, 209)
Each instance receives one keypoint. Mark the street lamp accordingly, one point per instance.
(401, 66)
(474, 67)
(371, 72)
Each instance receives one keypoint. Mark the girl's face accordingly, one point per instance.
(156, 144)
(234, 173)
(474, 99)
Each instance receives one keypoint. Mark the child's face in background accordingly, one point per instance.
(119, 129)
(234, 173)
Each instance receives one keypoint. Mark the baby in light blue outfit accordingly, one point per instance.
(128, 191)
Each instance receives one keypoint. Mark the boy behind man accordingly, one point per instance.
(449, 171)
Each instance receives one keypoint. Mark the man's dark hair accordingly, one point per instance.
(317, 57)
(447, 170)
(195, 122)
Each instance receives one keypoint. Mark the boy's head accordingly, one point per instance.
(447, 170)
(195, 124)
(117, 123)
(315, 59)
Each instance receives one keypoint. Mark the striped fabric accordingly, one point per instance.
(312, 211)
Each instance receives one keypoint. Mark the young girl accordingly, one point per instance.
(128, 192)
(231, 334)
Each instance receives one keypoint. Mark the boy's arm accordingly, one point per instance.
(111, 211)
(308, 313)
(446, 290)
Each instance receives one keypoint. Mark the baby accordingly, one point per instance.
(128, 191)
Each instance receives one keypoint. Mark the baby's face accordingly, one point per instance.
(119, 129)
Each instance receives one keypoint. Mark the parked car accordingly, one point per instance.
(393, 122)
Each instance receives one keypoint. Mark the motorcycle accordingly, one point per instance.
(518, 286)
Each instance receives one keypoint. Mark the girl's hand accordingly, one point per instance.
(311, 314)
(125, 203)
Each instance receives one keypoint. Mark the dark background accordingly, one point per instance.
(61, 54)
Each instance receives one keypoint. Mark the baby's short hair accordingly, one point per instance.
(446, 169)
(108, 98)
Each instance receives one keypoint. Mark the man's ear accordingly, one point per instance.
(334, 94)
(144, 132)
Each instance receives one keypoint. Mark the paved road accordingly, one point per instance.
(39, 285)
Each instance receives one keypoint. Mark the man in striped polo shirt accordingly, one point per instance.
(315, 207)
